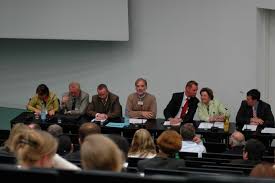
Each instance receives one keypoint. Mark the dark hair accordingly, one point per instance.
(209, 92)
(121, 142)
(102, 86)
(42, 89)
(88, 129)
(64, 145)
(191, 83)
(254, 93)
(141, 79)
(187, 131)
(255, 149)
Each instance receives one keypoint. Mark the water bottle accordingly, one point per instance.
(126, 118)
(43, 113)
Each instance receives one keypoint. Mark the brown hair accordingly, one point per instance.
(88, 128)
(102, 86)
(16, 129)
(191, 83)
(263, 170)
(100, 153)
(32, 146)
(169, 142)
(142, 144)
(209, 92)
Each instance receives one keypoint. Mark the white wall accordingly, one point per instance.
(171, 42)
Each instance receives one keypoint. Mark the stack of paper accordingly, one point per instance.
(166, 123)
(250, 127)
(137, 121)
(205, 125)
(268, 130)
(219, 125)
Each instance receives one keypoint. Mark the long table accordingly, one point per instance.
(155, 126)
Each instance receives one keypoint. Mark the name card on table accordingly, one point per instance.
(268, 130)
(137, 121)
(207, 125)
(249, 128)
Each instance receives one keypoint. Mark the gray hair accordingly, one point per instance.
(74, 83)
(55, 130)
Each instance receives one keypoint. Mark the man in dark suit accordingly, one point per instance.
(182, 107)
(105, 105)
(254, 111)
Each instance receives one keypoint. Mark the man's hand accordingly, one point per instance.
(197, 139)
(257, 121)
(51, 112)
(37, 111)
(101, 116)
(175, 121)
(147, 115)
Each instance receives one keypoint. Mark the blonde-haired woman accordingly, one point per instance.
(34, 149)
(142, 145)
(100, 153)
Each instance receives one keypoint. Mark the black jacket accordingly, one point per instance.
(174, 105)
(263, 111)
(161, 163)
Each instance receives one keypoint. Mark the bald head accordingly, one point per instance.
(237, 139)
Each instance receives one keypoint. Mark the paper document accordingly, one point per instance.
(93, 120)
(166, 123)
(115, 125)
(137, 121)
(205, 125)
(250, 127)
(219, 125)
(268, 130)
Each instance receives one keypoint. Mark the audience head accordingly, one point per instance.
(169, 142)
(191, 88)
(86, 129)
(18, 128)
(35, 148)
(253, 150)
(187, 132)
(141, 86)
(206, 95)
(100, 153)
(237, 139)
(122, 144)
(102, 91)
(263, 170)
(34, 126)
(65, 145)
(74, 89)
(252, 96)
(55, 130)
(142, 144)
(43, 92)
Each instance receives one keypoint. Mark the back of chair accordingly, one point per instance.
(215, 147)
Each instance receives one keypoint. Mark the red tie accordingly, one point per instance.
(184, 109)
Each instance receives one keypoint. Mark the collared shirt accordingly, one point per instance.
(190, 146)
(81, 103)
(184, 100)
(51, 104)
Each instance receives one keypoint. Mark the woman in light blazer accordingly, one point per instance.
(210, 109)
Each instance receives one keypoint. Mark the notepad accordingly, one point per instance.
(115, 125)
(250, 127)
(268, 130)
(219, 125)
(205, 125)
(137, 121)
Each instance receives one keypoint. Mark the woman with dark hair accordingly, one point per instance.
(44, 98)
(210, 109)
